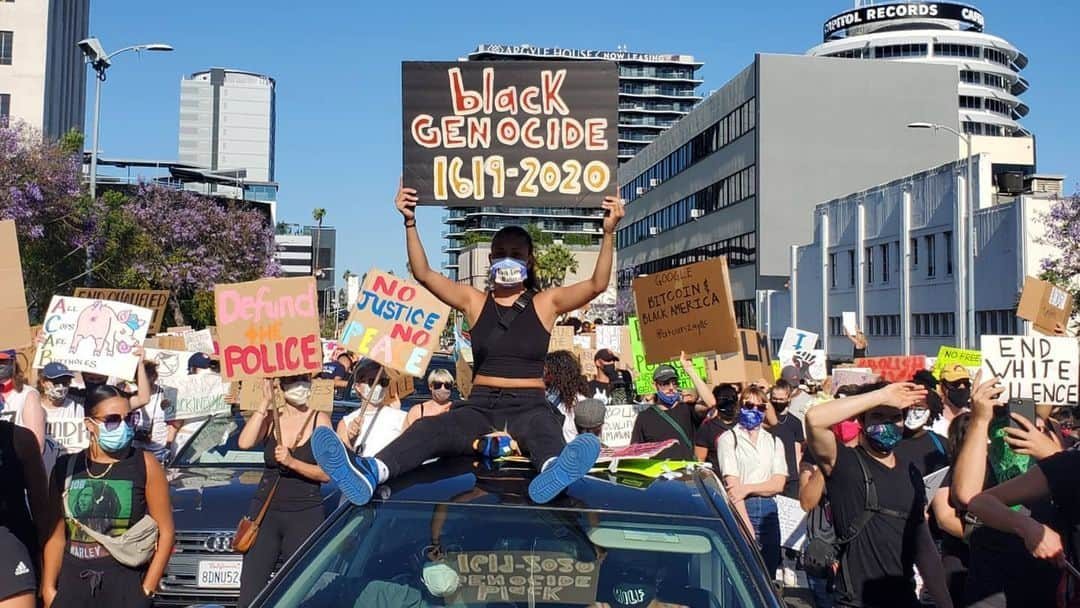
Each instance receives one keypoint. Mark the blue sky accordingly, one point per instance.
(337, 67)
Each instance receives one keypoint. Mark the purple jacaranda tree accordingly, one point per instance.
(1062, 224)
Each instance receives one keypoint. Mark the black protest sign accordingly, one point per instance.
(1042, 368)
(510, 133)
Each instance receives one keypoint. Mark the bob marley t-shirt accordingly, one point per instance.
(109, 500)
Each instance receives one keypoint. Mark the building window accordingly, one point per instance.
(970, 102)
(745, 314)
(957, 50)
(851, 267)
(970, 76)
(885, 263)
(5, 107)
(832, 271)
(869, 261)
(933, 324)
(931, 262)
(836, 326)
(997, 56)
(914, 252)
(900, 50)
(948, 252)
(5, 47)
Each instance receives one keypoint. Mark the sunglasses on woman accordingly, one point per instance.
(383, 382)
(442, 385)
(112, 421)
(749, 406)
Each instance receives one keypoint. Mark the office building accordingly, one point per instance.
(42, 76)
(227, 123)
(740, 175)
(890, 254)
(944, 33)
(295, 253)
(655, 91)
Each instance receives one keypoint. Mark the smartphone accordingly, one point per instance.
(1024, 407)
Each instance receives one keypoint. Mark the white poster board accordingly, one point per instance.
(201, 341)
(851, 323)
(796, 339)
(95, 336)
(792, 523)
(618, 424)
(609, 337)
(198, 396)
(1043, 368)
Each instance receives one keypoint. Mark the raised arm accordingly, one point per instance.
(462, 297)
(142, 381)
(703, 390)
(969, 471)
(573, 297)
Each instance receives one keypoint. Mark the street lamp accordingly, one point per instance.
(967, 230)
(100, 61)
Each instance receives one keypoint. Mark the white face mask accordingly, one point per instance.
(56, 392)
(299, 393)
(440, 579)
(375, 397)
(916, 418)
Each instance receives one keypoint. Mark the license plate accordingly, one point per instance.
(219, 574)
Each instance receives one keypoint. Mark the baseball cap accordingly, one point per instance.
(199, 361)
(791, 375)
(605, 355)
(664, 373)
(7, 354)
(955, 373)
(589, 413)
(56, 370)
(333, 371)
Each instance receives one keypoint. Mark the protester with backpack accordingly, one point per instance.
(877, 500)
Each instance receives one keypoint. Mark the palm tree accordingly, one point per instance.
(317, 214)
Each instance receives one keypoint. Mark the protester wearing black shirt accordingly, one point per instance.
(724, 419)
(789, 430)
(668, 418)
(876, 564)
(612, 386)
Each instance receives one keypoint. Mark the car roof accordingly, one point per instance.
(681, 493)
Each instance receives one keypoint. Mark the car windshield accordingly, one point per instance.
(215, 444)
(500, 556)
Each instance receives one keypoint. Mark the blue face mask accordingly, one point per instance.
(668, 400)
(883, 437)
(117, 439)
(750, 418)
(508, 272)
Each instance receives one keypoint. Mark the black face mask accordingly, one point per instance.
(780, 406)
(959, 396)
(609, 371)
(7, 370)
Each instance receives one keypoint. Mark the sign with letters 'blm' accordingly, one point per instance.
(1042, 368)
(268, 328)
(510, 133)
(395, 322)
(687, 309)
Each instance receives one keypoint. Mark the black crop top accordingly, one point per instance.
(519, 353)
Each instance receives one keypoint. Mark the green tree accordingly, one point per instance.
(553, 263)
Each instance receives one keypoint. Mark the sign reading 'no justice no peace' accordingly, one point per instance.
(510, 133)
(687, 309)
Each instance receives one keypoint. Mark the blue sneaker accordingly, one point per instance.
(571, 465)
(494, 447)
(356, 479)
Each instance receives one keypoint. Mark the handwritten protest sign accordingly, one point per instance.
(510, 133)
(687, 309)
(395, 322)
(24, 358)
(322, 395)
(618, 423)
(14, 322)
(562, 338)
(846, 376)
(67, 428)
(587, 357)
(93, 336)
(171, 364)
(792, 523)
(1044, 304)
(268, 328)
(750, 364)
(949, 356)
(795, 339)
(199, 395)
(644, 382)
(154, 299)
(200, 341)
(609, 337)
(894, 369)
(1042, 368)
(523, 577)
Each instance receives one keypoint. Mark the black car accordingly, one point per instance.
(458, 532)
(212, 483)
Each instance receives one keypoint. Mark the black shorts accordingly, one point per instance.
(17, 574)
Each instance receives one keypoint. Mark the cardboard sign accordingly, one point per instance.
(949, 356)
(24, 358)
(199, 395)
(154, 299)
(401, 385)
(395, 322)
(463, 376)
(643, 382)
(168, 342)
(894, 369)
(750, 364)
(795, 339)
(1045, 305)
(687, 309)
(322, 395)
(850, 322)
(584, 341)
(562, 338)
(251, 395)
(93, 336)
(792, 523)
(587, 357)
(1042, 368)
(510, 133)
(14, 321)
(847, 376)
(199, 341)
(268, 328)
(618, 424)
(67, 430)
(523, 577)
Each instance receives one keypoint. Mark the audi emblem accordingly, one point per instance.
(219, 543)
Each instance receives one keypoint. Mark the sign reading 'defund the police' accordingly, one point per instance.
(1042, 368)
(510, 133)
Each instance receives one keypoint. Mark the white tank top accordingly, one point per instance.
(14, 402)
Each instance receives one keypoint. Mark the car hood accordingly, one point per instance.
(211, 498)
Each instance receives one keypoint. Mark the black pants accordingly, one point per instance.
(280, 535)
(96, 583)
(523, 413)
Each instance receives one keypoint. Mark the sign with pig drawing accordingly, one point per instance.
(95, 336)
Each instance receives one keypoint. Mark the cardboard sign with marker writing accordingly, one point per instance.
(643, 381)
(154, 299)
(93, 336)
(401, 385)
(523, 577)
(14, 321)
(268, 328)
(24, 357)
(251, 395)
(1044, 304)
(686, 309)
(894, 369)
(322, 395)
(199, 341)
(562, 338)
(1042, 368)
(750, 364)
(463, 376)
(395, 322)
